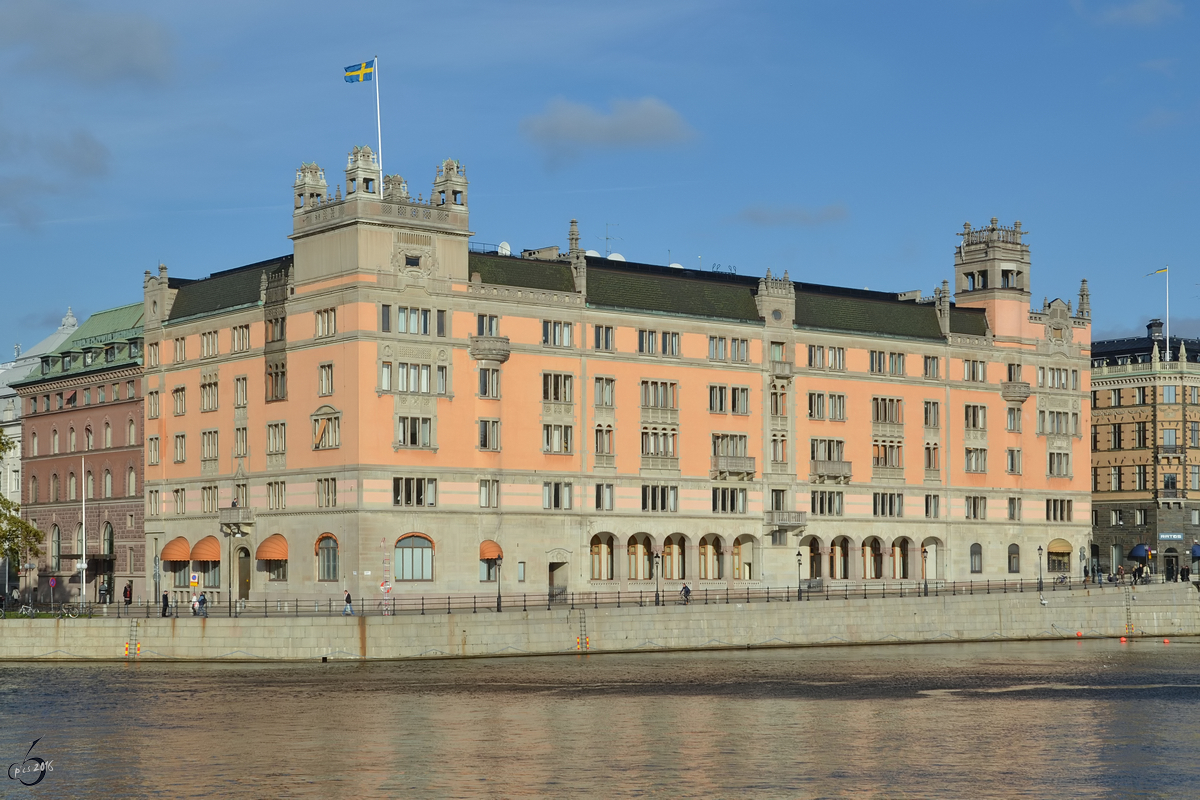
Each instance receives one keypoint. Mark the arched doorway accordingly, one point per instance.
(674, 555)
(743, 558)
(931, 558)
(1058, 556)
(602, 556)
(810, 548)
(839, 558)
(902, 551)
(873, 558)
(640, 552)
(243, 567)
(1171, 563)
(712, 558)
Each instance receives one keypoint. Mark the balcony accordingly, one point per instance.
(892, 474)
(782, 369)
(1169, 494)
(975, 436)
(660, 463)
(786, 519)
(660, 416)
(733, 465)
(888, 430)
(235, 521)
(1014, 391)
(605, 461)
(489, 348)
(1170, 449)
(826, 471)
(551, 408)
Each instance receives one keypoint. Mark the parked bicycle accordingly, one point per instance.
(73, 611)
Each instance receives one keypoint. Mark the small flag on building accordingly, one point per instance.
(357, 73)
(1148, 274)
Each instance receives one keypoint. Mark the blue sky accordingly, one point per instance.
(845, 142)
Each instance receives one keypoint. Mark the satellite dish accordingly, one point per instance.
(673, 265)
(615, 257)
(592, 253)
(504, 249)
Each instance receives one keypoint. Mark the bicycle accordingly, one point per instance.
(27, 611)
(1062, 579)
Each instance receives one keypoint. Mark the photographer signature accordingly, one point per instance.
(30, 767)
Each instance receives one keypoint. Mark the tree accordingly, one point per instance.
(17, 536)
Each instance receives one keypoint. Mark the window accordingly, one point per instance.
(276, 381)
(975, 371)
(276, 438)
(604, 440)
(778, 403)
(179, 496)
(385, 376)
(152, 454)
(976, 558)
(730, 444)
(1054, 422)
(717, 348)
(108, 437)
(932, 506)
(886, 454)
(931, 457)
(239, 338)
(739, 397)
(327, 559)
(878, 362)
(326, 322)
(489, 434)
(88, 441)
(739, 350)
(932, 414)
(179, 396)
(887, 409)
(489, 383)
(837, 407)
(130, 435)
(180, 448)
(208, 345)
(241, 440)
(152, 355)
(556, 495)
(1058, 510)
(152, 405)
(1014, 559)
(208, 445)
(441, 323)
(975, 507)
(604, 497)
(837, 358)
(487, 325)
(327, 492)
(415, 492)
(239, 392)
(826, 504)
(557, 439)
(816, 356)
(276, 328)
(1116, 517)
(1012, 462)
(660, 498)
(325, 379)
(827, 449)
(208, 499)
(1059, 465)
(557, 387)
(241, 494)
(489, 493)
(670, 343)
(816, 405)
(603, 338)
(276, 495)
(1014, 420)
(414, 558)
(180, 350)
(647, 342)
(153, 503)
(728, 500)
(931, 367)
(208, 396)
(716, 399)
(975, 460)
(976, 417)
(1014, 508)
(779, 449)
(605, 392)
(556, 334)
(896, 363)
(414, 431)
(327, 432)
(887, 504)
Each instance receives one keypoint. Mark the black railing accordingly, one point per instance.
(813, 590)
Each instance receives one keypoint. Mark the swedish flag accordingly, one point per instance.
(357, 73)
(1148, 274)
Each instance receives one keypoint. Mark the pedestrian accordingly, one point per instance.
(195, 604)
(128, 593)
(349, 608)
(1120, 573)
(166, 603)
(203, 605)
(1086, 573)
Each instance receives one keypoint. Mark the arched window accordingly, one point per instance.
(602, 558)
(107, 540)
(54, 441)
(71, 439)
(54, 488)
(33, 489)
(107, 483)
(976, 558)
(414, 558)
(87, 439)
(131, 434)
(55, 549)
(33, 443)
(72, 487)
(673, 558)
(90, 489)
(712, 565)
(107, 435)
(743, 559)
(604, 440)
(1014, 559)
(131, 482)
(327, 558)
(641, 556)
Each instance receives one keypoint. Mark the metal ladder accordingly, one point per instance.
(133, 645)
(583, 643)
(1128, 611)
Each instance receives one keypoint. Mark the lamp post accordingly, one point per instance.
(657, 576)
(1039, 568)
(925, 569)
(499, 561)
(799, 570)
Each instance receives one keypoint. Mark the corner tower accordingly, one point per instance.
(991, 271)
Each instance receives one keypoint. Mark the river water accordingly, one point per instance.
(1076, 719)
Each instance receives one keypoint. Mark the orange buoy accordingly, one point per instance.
(1122, 639)
(1078, 633)
(1166, 641)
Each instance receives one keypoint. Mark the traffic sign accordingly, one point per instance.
(195, 579)
(53, 583)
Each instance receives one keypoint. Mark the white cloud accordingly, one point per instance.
(792, 216)
(565, 129)
(34, 167)
(1141, 12)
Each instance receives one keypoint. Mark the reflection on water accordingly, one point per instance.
(1077, 719)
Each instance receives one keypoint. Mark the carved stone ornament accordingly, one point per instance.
(558, 555)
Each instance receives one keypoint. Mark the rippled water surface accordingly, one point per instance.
(1056, 719)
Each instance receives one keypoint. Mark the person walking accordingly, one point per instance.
(1120, 573)
(203, 605)
(349, 607)
(127, 593)
(195, 605)
(166, 604)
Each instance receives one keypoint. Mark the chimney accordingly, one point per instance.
(1155, 329)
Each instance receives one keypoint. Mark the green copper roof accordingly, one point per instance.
(222, 291)
(88, 350)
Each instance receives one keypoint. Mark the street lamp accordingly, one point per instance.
(925, 568)
(499, 561)
(1039, 568)
(799, 570)
(657, 575)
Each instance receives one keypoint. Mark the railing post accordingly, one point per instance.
(474, 605)
(523, 607)
(422, 605)
(447, 604)
(547, 600)
(595, 599)
(618, 598)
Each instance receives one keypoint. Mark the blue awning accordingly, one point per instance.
(1139, 551)
(1196, 551)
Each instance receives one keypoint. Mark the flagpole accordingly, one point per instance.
(378, 127)
(1168, 313)
(83, 529)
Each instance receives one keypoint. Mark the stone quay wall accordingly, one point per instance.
(1165, 610)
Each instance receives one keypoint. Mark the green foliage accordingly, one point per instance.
(18, 538)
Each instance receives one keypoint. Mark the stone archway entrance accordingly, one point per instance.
(243, 566)
(558, 574)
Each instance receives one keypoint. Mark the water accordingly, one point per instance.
(1051, 719)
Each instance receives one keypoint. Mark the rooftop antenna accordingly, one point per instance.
(608, 238)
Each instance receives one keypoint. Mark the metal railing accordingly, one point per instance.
(816, 589)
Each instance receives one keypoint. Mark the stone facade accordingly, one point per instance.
(392, 404)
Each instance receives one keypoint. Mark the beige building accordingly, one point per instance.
(394, 403)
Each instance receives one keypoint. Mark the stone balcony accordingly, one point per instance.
(785, 519)
(829, 471)
(1014, 391)
(605, 461)
(888, 430)
(489, 348)
(891, 474)
(733, 465)
(660, 463)
(660, 416)
(782, 369)
(236, 521)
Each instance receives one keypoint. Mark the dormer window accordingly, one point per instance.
(88, 357)
(66, 362)
(110, 353)
(134, 349)
(45, 366)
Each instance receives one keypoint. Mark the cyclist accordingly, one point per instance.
(686, 594)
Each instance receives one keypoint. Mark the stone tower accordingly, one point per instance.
(991, 271)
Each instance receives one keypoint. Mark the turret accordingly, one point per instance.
(450, 186)
(362, 172)
(310, 188)
(991, 260)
